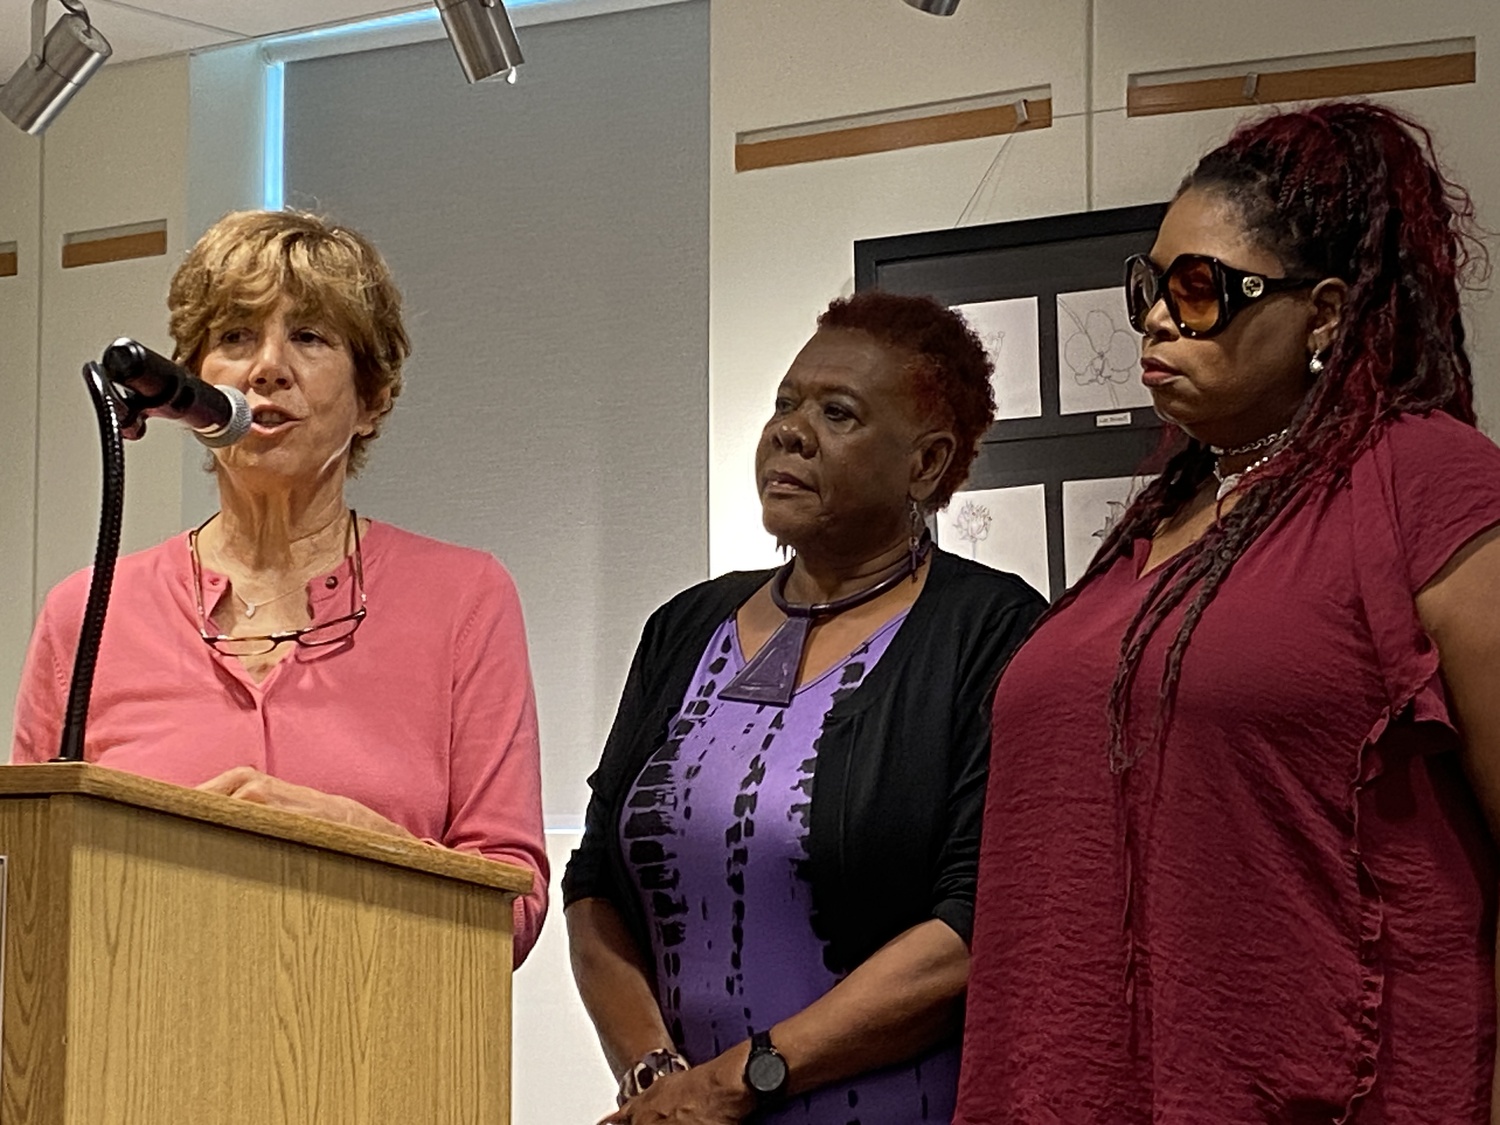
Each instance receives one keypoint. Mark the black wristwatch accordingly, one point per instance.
(766, 1071)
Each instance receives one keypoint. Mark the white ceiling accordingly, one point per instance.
(143, 29)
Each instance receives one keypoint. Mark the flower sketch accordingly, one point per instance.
(972, 522)
(1098, 349)
(1114, 509)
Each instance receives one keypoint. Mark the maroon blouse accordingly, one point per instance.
(1287, 911)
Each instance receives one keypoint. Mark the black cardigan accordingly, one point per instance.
(899, 780)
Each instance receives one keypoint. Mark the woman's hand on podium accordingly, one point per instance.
(250, 784)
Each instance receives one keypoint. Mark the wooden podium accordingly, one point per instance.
(174, 956)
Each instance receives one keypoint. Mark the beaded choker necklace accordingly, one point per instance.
(771, 677)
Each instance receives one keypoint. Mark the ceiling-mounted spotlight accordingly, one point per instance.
(482, 38)
(61, 61)
(936, 7)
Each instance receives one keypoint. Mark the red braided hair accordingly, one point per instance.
(1349, 190)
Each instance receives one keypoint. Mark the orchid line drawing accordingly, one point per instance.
(1099, 350)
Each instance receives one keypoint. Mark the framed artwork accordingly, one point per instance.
(1073, 424)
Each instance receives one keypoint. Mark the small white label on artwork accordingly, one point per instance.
(1120, 418)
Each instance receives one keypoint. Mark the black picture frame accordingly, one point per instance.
(1041, 259)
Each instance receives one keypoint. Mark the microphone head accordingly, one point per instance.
(233, 430)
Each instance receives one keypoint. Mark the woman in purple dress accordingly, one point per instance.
(770, 910)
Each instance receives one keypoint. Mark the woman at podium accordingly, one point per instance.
(289, 651)
(770, 908)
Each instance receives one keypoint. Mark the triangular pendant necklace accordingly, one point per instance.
(771, 676)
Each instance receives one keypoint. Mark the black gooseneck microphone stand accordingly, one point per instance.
(120, 419)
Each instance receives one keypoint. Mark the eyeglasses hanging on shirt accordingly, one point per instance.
(316, 635)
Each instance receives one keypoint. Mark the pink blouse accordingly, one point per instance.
(427, 716)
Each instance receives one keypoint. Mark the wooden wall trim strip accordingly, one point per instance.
(1307, 84)
(860, 140)
(116, 248)
(10, 261)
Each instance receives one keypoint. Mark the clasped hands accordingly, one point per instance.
(711, 1094)
(250, 784)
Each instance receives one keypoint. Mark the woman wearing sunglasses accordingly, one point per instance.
(287, 651)
(1235, 864)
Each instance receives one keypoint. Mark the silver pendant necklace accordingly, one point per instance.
(251, 607)
(1271, 443)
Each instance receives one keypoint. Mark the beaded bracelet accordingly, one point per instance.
(639, 1078)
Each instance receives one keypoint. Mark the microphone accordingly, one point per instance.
(218, 416)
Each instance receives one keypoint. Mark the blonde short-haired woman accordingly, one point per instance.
(304, 657)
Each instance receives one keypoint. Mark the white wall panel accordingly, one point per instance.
(118, 158)
(20, 218)
(1142, 36)
(779, 62)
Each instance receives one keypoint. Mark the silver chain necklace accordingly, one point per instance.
(1250, 447)
(1272, 443)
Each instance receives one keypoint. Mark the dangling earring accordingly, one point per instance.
(914, 539)
(1315, 365)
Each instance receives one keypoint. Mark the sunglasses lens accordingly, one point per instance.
(1140, 291)
(1194, 286)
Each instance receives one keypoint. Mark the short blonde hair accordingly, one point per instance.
(249, 260)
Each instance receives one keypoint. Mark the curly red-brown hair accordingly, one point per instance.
(949, 368)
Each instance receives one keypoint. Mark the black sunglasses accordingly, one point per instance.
(1202, 293)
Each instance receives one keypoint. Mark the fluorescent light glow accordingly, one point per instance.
(273, 190)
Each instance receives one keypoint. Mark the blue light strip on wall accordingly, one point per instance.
(273, 192)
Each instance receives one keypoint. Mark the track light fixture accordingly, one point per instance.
(482, 38)
(61, 61)
(936, 7)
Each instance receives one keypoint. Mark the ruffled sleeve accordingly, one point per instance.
(1427, 487)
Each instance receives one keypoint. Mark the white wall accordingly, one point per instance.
(781, 238)
(115, 157)
(20, 222)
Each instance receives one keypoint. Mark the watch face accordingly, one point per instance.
(765, 1072)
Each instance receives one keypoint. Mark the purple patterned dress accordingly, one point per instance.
(714, 832)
